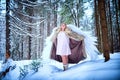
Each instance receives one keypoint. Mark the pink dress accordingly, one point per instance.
(63, 44)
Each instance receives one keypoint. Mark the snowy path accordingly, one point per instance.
(88, 70)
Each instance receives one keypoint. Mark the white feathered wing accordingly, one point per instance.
(90, 44)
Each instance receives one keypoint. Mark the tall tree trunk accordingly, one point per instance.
(78, 12)
(48, 23)
(41, 39)
(29, 46)
(22, 49)
(97, 23)
(111, 29)
(104, 29)
(30, 13)
(7, 26)
(117, 26)
(55, 15)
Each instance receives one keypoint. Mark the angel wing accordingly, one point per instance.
(90, 42)
(47, 47)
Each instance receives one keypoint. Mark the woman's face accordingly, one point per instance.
(7, 55)
(63, 26)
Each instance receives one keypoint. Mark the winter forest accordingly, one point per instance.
(25, 25)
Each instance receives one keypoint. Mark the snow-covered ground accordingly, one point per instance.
(85, 70)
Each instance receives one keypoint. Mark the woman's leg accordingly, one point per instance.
(65, 62)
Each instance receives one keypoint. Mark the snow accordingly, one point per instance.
(85, 70)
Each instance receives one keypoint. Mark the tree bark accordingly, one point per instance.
(55, 15)
(117, 25)
(104, 29)
(7, 26)
(97, 23)
(30, 13)
(48, 23)
(111, 29)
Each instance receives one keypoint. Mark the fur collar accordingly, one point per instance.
(69, 33)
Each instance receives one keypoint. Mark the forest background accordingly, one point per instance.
(25, 24)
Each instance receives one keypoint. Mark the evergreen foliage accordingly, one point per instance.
(23, 73)
(35, 65)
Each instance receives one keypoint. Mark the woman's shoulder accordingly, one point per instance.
(10, 60)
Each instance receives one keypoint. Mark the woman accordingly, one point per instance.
(77, 45)
(66, 46)
(7, 65)
(63, 48)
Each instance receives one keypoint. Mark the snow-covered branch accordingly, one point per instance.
(26, 23)
(31, 4)
(15, 11)
(16, 32)
(38, 2)
(22, 30)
